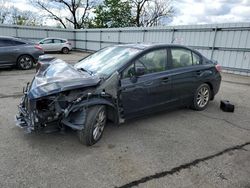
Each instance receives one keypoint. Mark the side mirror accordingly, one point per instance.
(134, 73)
(140, 71)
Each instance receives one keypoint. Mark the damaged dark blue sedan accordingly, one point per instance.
(116, 83)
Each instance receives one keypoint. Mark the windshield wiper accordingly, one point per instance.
(85, 70)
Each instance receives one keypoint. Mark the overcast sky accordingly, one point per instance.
(191, 11)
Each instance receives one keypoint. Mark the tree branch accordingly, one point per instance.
(51, 13)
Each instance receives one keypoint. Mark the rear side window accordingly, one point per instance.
(184, 58)
(58, 41)
(16, 43)
(6, 42)
(181, 58)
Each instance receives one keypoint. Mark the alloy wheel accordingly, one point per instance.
(25, 62)
(99, 125)
(202, 97)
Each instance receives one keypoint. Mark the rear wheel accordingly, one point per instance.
(25, 62)
(94, 126)
(201, 97)
(65, 50)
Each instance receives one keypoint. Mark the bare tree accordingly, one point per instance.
(18, 17)
(78, 11)
(4, 12)
(12, 15)
(149, 12)
(138, 5)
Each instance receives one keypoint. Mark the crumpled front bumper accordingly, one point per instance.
(24, 118)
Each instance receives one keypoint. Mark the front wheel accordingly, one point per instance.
(201, 97)
(25, 62)
(94, 125)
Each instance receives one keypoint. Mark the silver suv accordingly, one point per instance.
(55, 45)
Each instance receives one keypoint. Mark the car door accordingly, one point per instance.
(47, 45)
(186, 70)
(57, 45)
(149, 91)
(8, 52)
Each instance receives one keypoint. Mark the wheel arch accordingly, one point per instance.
(112, 111)
(211, 89)
(64, 47)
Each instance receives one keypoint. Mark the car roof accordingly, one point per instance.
(15, 39)
(7, 37)
(144, 46)
(148, 46)
(54, 38)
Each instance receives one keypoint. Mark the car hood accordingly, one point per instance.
(57, 76)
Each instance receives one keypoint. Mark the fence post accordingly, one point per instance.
(172, 39)
(75, 38)
(86, 39)
(100, 39)
(119, 36)
(16, 31)
(215, 33)
(143, 35)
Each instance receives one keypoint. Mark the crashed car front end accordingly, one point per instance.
(56, 97)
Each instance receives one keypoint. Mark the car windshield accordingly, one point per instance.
(107, 60)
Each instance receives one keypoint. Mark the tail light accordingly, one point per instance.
(38, 47)
(218, 68)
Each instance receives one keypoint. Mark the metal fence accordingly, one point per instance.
(37, 33)
(229, 43)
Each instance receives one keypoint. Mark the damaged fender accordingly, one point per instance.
(76, 115)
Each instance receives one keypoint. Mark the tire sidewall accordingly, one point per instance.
(86, 135)
(93, 122)
(65, 52)
(195, 105)
(23, 56)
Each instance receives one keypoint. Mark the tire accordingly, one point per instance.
(201, 97)
(65, 50)
(94, 126)
(25, 62)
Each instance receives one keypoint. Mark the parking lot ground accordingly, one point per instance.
(181, 148)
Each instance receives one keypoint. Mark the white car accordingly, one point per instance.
(55, 45)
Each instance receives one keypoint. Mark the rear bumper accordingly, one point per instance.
(36, 55)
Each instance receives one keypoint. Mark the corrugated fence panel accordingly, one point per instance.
(229, 43)
(158, 37)
(112, 36)
(131, 36)
(31, 34)
(93, 36)
(62, 34)
(80, 43)
(6, 31)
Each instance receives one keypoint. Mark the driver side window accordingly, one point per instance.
(154, 61)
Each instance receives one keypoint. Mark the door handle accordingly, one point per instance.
(198, 73)
(127, 88)
(148, 83)
(165, 80)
